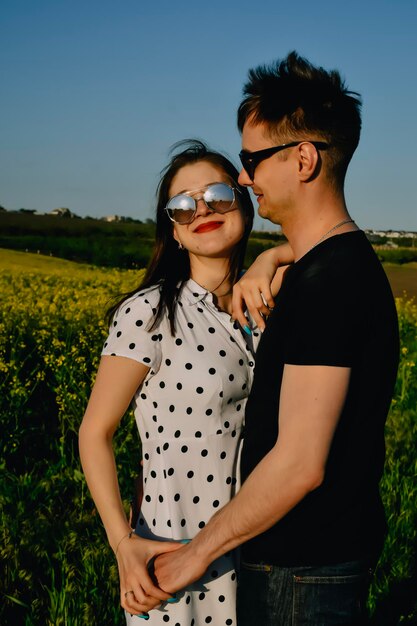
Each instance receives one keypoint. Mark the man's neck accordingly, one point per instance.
(315, 221)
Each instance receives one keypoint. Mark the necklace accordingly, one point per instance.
(342, 223)
(218, 295)
(221, 295)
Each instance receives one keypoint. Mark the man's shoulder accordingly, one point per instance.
(348, 258)
(341, 273)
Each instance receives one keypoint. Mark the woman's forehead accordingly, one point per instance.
(196, 176)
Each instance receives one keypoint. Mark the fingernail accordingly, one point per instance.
(143, 615)
(172, 600)
(185, 540)
(247, 330)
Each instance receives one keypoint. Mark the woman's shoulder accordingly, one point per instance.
(130, 329)
(142, 300)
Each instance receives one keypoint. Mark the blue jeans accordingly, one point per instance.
(303, 596)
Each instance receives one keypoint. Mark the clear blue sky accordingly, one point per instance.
(94, 92)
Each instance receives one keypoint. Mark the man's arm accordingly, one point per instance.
(312, 398)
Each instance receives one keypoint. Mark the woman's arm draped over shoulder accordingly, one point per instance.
(260, 283)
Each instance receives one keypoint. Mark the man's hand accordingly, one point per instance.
(176, 570)
(138, 593)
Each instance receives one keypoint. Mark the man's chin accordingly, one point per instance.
(264, 213)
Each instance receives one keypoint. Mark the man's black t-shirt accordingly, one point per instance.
(335, 308)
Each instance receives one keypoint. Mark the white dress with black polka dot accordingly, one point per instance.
(189, 411)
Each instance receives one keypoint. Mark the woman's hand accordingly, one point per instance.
(256, 289)
(138, 593)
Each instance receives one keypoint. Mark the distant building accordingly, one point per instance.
(113, 218)
(390, 234)
(62, 212)
(119, 218)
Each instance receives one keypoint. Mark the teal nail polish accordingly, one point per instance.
(247, 330)
(143, 615)
(185, 540)
(173, 600)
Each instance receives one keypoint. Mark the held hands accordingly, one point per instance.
(176, 570)
(138, 593)
(258, 286)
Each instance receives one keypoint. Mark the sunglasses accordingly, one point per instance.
(251, 160)
(218, 197)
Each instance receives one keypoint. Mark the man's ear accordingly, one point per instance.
(308, 161)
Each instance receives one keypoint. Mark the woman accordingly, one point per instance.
(189, 369)
(174, 349)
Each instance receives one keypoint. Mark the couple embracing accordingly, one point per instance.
(321, 318)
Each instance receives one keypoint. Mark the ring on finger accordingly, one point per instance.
(128, 592)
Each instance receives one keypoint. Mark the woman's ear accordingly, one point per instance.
(175, 235)
(177, 239)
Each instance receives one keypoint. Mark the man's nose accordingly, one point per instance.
(244, 179)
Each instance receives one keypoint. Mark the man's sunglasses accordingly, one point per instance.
(218, 197)
(251, 160)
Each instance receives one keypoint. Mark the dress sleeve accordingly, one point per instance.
(128, 334)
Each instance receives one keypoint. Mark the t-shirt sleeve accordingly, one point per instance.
(325, 323)
(128, 334)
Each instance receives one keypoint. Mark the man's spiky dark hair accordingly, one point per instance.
(294, 99)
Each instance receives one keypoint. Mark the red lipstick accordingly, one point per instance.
(208, 226)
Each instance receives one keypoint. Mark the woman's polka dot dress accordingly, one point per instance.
(189, 411)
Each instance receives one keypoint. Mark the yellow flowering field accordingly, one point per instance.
(52, 327)
(58, 569)
(55, 310)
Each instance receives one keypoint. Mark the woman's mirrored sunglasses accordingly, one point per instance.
(218, 197)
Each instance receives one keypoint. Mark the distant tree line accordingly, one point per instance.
(124, 244)
(108, 244)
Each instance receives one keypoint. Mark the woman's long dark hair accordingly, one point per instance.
(169, 266)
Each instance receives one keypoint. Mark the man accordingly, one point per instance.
(309, 513)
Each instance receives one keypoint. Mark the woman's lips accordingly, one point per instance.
(204, 228)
